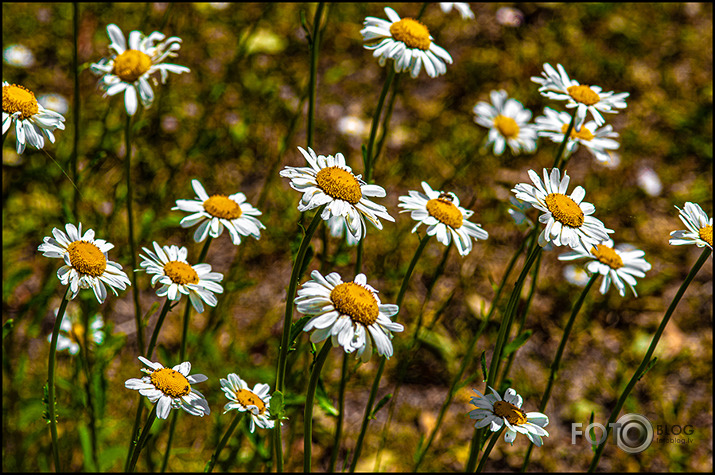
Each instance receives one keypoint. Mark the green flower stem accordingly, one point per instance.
(366, 418)
(387, 116)
(488, 450)
(369, 159)
(130, 216)
(558, 162)
(142, 439)
(135, 432)
(75, 108)
(152, 343)
(309, 397)
(647, 358)
(224, 440)
(84, 356)
(314, 45)
(51, 378)
(341, 413)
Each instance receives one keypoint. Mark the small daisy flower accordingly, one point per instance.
(337, 226)
(700, 227)
(218, 211)
(507, 121)
(329, 181)
(495, 412)
(558, 86)
(443, 216)
(169, 266)
(72, 332)
(32, 121)
(554, 125)
(86, 261)
(618, 265)
(19, 56)
(407, 42)
(568, 218)
(171, 388)
(349, 312)
(462, 8)
(256, 402)
(129, 69)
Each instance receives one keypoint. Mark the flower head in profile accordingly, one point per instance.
(495, 412)
(329, 181)
(86, 262)
(349, 312)
(256, 402)
(462, 8)
(176, 276)
(507, 121)
(406, 41)
(73, 332)
(218, 211)
(700, 227)
(170, 388)
(33, 122)
(558, 86)
(444, 218)
(130, 68)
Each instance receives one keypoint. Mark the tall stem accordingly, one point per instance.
(224, 440)
(369, 159)
(130, 216)
(341, 413)
(159, 323)
(488, 450)
(366, 417)
(314, 45)
(309, 397)
(76, 109)
(558, 162)
(142, 439)
(51, 378)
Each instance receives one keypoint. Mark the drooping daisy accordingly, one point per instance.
(86, 261)
(620, 264)
(407, 42)
(337, 226)
(256, 402)
(349, 312)
(558, 86)
(700, 227)
(218, 211)
(171, 388)
(329, 181)
(495, 412)
(72, 332)
(176, 276)
(507, 121)
(129, 69)
(32, 120)
(462, 8)
(554, 125)
(444, 218)
(568, 218)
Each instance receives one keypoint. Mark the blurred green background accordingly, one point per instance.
(237, 119)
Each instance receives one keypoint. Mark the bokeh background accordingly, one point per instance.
(238, 118)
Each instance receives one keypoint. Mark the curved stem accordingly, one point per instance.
(224, 440)
(51, 378)
(142, 439)
(309, 397)
(130, 216)
(489, 448)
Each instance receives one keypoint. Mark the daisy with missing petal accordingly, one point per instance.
(72, 332)
(462, 8)
(32, 120)
(700, 227)
(349, 312)
(558, 86)
(407, 42)
(218, 211)
(170, 268)
(256, 402)
(620, 265)
(129, 69)
(441, 213)
(568, 218)
(507, 121)
(329, 181)
(170, 388)
(495, 412)
(86, 261)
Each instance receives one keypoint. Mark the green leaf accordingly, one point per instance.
(277, 407)
(517, 342)
(651, 363)
(7, 327)
(484, 366)
(380, 404)
(592, 432)
(152, 310)
(323, 401)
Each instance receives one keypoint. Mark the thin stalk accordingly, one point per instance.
(130, 216)
(51, 378)
(369, 159)
(76, 108)
(488, 450)
(172, 427)
(142, 439)
(314, 45)
(135, 432)
(224, 440)
(309, 397)
(159, 323)
(366, 418)
(558, 162)
(341, 414)
(84, 352)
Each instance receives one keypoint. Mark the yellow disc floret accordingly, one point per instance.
(86, 258)
(248, 398)
(506, 126)
(583, 94)
(564, 209)
(181, 273)
(510, 412)
(16, 98)
(131, 64)
(170, 382)
(339, 184)
(355, 301)
(223, 207)
(583, 134)
(607, 256)
(706, 234)
(445, 211)
(412, 33)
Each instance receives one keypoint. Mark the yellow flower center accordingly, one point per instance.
(445, 211)
(608, 256)
(131, 64)
(510, 412)
(223, 207)
(564, 209)
(77, 333)
(249, 398)
(340, 184)
(181, 273)
(583, 134)
(412, 33)
(506, 126)
(355, 301)
(170, 382)
(16, 98)
(706, 234)
(87, 258)
(583, 94)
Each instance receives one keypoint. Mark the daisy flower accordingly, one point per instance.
(129, 69)
(349, 312)
(495, 412)
(337, 226)
(19, 56)
(256, 402)
(621, 264)
(700, 227)
(329, 181)
(86, 261)
(32, 121)
(441, 213)
(554, 125)
(72, 332)
(507, 121)
(169, 266)
(558, 86)
(462, 8)
(171, 388)
(407, 42)
(568, 218)
(218, 211)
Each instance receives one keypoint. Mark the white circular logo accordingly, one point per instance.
(634, 433)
